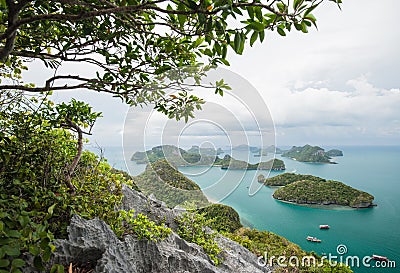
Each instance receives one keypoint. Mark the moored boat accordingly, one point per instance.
(324, 227)
(379, 258)
(313, 239)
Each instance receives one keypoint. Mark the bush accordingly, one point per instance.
(192, 227)
(35, 202)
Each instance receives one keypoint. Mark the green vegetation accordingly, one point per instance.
(288, 178)
(229, 162)
(273, 164)
(181, 158)
(309, 153)
(176, 156)
(169, 185)
(261, 242)
(121, 43)
(37, 201)
(45, 176)
(319, 191)
(222, 218)
(334, 152)
(192, 227)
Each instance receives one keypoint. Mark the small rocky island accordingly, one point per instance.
(313, 154)
(313, 190)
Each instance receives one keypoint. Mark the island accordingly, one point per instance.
(245, 147)
(166, 183)
(230, 163)
(272, 149)
(334, 153)
(313, 154)
(205, 151)
(196, 156)
(312, 190)
(177, 156)
(288, 178)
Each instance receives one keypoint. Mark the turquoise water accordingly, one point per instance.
(364, 232)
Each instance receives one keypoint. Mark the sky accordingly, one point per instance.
(338, 85)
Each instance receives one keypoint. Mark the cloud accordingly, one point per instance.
(361, 111)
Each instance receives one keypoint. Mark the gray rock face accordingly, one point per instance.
(93, 242)
(150, 206)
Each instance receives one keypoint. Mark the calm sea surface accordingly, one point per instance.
(364, 232)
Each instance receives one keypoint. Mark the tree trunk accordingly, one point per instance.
(71, 167)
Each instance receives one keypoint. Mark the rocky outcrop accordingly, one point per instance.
(93, 242)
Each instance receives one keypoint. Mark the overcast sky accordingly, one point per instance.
(336, 86)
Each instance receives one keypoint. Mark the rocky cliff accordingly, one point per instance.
(92, 242)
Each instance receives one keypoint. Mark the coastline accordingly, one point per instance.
(318, 206)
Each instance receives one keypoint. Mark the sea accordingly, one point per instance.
(354, 234)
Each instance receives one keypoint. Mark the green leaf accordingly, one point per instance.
(258, 13)
(253, 38)
(237, 42)
(162, 69)
(4, 262)
(3, 4)
(38, 263)
(182, 19)
(310, 9)
(311, 18)
(13, 233)
(281, 7)
(297, 3)
(262, 36)
(250, 11)
(51, 209)
(18, 263)
(225, 62)
(57, 268)
(11, 251)
(257, 26)
(281, 31)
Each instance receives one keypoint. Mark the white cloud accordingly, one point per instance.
(361, 112)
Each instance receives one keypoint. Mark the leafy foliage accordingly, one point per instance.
(288, 178)
(192, 227)
(136, 46)
(222, 218)
(141, 226)
(169, 185)
(323, 192)
(35, 204)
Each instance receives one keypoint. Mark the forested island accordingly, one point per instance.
(167, 184)
(177, 156)
(229, 162)
(288, 178)
(313, 154)
(195, 156)
(313, 190)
